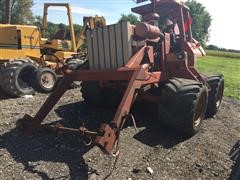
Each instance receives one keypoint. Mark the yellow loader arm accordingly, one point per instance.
(89, 23)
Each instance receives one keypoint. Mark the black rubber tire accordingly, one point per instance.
(16, 77)
(1, 77)
(1, 72)
(74, 64)
(182, 102)
(216, 82)
(94, 95)
(40, 76)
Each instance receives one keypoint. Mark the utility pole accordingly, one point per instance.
(8, 11)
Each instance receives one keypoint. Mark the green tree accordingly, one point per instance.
(38, 20)
(52, 28)
(21, 11)
(212, 47)
(201, 21)
(77, 29)
(133, 19)
(1, 11)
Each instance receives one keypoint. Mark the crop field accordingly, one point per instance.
(223, 54)
(229, 67)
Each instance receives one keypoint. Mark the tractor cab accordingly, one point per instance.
(175, 22)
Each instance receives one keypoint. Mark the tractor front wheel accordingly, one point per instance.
(44, 80)
(183, 105)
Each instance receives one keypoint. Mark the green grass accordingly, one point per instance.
(223, 54)
(229, 67)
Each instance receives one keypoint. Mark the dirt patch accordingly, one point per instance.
(46, 156)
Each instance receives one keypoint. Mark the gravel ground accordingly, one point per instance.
(170, 156)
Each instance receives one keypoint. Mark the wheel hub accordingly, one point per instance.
(47, 80)
(201, 105)
(219, 96)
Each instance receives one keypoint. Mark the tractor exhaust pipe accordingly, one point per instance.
(147, 31)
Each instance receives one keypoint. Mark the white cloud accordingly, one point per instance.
(225, 26)
(79, 10)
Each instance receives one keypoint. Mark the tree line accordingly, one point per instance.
(20, 11)
(52, 28)
(216, 48)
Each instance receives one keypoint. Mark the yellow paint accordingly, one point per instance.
(89, 23)
(25, 41)
(18, 41)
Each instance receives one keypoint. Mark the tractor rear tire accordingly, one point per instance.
(45, 80)
(95, 95)
(216, 82)
(16, 77)
(183, 104)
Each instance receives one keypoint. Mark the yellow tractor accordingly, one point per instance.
(29, 60)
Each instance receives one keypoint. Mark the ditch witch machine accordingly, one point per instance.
(129, 63)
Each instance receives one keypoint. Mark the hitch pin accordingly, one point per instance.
(88, 141)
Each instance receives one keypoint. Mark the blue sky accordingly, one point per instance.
(110, 9)
(224, 14)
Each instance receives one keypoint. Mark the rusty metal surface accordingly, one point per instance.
(29, 125)
(134, 62)
(147, 31)
(111, 133)
(104, 75)
(150, 17)
(160, 6)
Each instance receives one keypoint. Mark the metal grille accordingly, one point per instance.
(109, 47)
